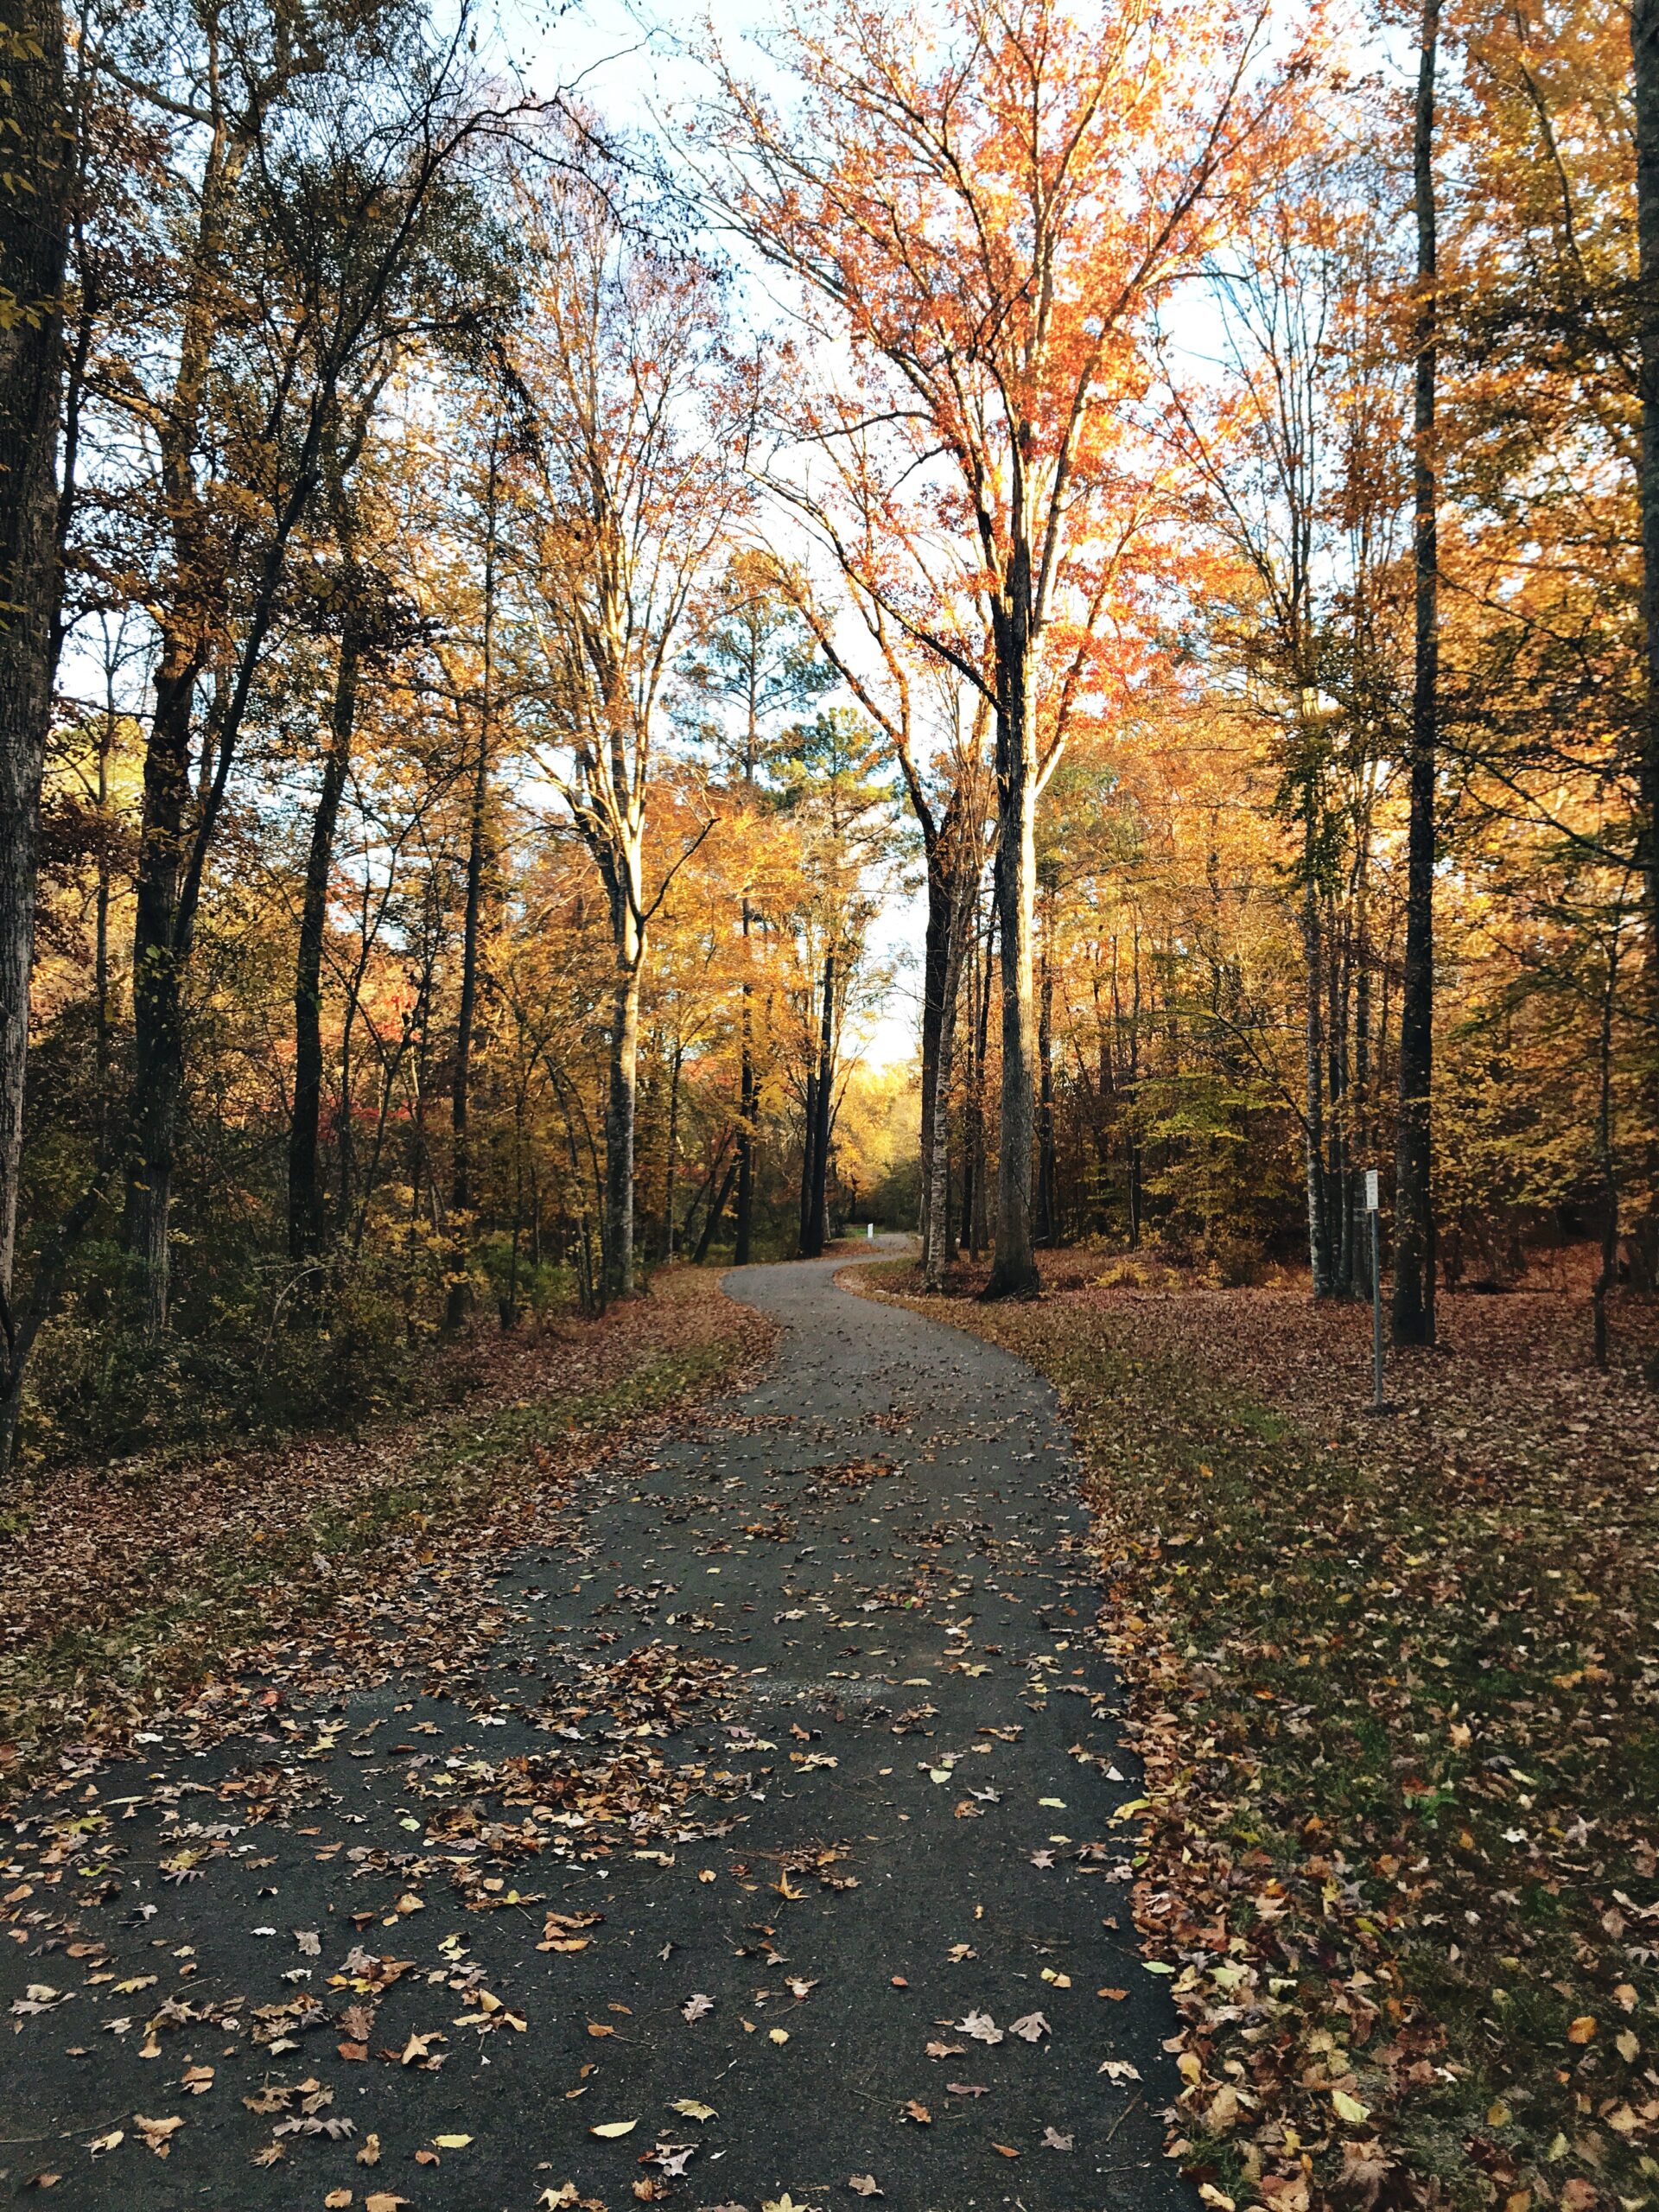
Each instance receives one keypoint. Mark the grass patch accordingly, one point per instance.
(1398, 1690)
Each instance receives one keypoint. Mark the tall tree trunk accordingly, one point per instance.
(621, 1099)
(748, 1117)
(1644, 54)
(460, 1095)
(715, 1209)
(814, 1167)
(975, 1223)
(304, 1184)
(936, 1237)
(461, 1186)
(1414, 1218)
(33, 242)
(1013, 1268)
(809, 1155)
(1319, 1225)
(671, 1164)
(157, 984)
(1047, 1157)
(936, 956)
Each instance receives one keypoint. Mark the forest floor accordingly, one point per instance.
(729, 1813)
(122, 1585)
(1395, 1682)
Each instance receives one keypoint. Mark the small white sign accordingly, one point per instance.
(1371, 1200)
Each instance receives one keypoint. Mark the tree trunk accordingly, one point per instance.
(1414, 1219)
(1644, 54)
(1047, 1156)
(747, 1114)
(809, 1152)
(672, 1165)
(936, 1235)
(1318, 1230)
(975, 1227)
(1013, 1268)
(34, 242)
(936, 954)
(818, 1199)
(304, 1185)
(461, 1183)
(714, 1212)
(157, 1010)
(621, 1104)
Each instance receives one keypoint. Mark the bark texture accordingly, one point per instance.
(34, 239)
(1414, 1218)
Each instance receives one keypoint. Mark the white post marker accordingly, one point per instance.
(1373, 1209)
(869, 1232)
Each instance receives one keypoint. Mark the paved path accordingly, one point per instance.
(774, 1824)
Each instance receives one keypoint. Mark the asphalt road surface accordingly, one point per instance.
(762, 1855)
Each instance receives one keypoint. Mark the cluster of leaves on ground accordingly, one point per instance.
(121, 1586)
(1395, 1682)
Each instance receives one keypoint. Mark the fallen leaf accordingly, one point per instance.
(1030, 2028)
(918, 2113)
(1582, 2029)
(612, 2127)
(452, 2142)
(337, 2200)
(157, 2134)
(689, 2109)
(1053, 2140)
(1118, 2069)
(695, 2007)
(370, 2153)
(864, 2186)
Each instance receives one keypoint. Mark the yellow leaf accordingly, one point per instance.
(452, 2142)
(1349, 2108)
(1582, 2029)
(612, 2127)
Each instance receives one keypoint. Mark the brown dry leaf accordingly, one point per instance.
(337, 2200)
(918, 2113)
(1005, 2150)
(157, 2134)
(864, 2186)
(370, 2153)
(1582, 2029)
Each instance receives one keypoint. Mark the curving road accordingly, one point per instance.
(772, 1834)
